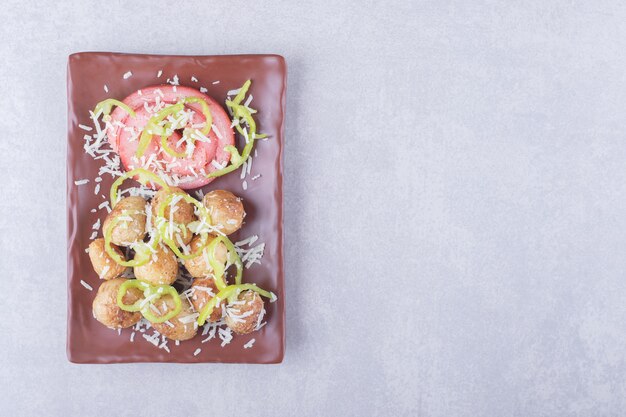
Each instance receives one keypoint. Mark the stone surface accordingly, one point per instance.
(455, 193)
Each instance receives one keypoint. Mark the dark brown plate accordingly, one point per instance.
(87, 340)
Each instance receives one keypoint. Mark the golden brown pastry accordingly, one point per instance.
(106, 310)
(226, 210)
(183, 213)
(204, 290)
(131, 226)
(183, 326)
(242, 316)
(161, 269)
(105, 267)
(199, 267)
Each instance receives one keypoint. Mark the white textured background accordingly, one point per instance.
(455, 208)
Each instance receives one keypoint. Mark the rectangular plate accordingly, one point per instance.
(89, 341)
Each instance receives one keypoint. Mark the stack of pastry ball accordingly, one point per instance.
(226, 212)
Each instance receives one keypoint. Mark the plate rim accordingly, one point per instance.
(71, 230)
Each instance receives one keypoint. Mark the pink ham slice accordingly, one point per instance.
(189, 169)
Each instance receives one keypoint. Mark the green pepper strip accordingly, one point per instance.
(205, 130)
(149, 291)
(142, 252)
(167, 290)
(170, 151)
(227, 293)
(208, 118)
(162, 230)
(239, 111)
(234, 258)
(126, 285)
(105, 106)
(152, 127)
(243, 111)
(242, 92)
(144, 176)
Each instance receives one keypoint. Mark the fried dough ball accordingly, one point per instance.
(161, 269)
(102, 263)
(132, 227)
(183, 213)
(238, 316)
(204, 290)
(199, 267)
(106, 310)
(226, 210)
(179, 330)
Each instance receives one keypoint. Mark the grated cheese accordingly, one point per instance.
(251, 255)
(84, 284)
(226, 335)
(81, 182)
(105, 205)
(249, 344)
(216, 131)
(217, 164)
(189, 318)
(127, 75)
(106, 89)
(151, 339)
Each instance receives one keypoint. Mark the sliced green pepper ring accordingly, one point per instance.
(162, 290)
(174, 247)
(205, 130)
(144, 176)
(227, 293)
(105, 106)
(151, 294)
(208, 118)
(127, 285)
(153, 128)
(168, 150)
(143, 251)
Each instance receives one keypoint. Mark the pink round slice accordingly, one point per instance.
(123, 135)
